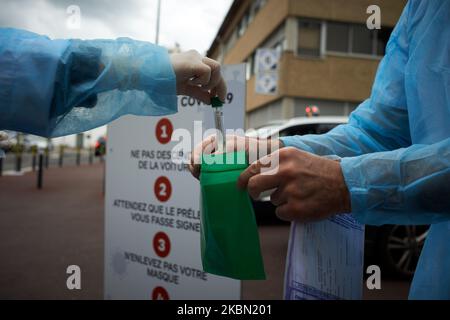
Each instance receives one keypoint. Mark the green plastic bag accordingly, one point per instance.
(229, 235)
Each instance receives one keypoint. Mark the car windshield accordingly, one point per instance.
(304, 129)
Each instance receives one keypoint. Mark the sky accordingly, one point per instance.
(192, 24)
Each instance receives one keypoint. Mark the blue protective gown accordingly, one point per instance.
(396, 146)
(58, 87)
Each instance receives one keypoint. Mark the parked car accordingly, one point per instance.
(100, 147)
(394, 248)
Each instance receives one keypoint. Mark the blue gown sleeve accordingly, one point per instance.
(390, 180)
(58, 87)
(405, 186)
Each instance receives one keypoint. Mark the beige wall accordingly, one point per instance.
(256, 100)
(336, 78)
(332, 78)
(276, 11)
(347, 10)
(269, 18)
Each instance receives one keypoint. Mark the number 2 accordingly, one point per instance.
(163, 190)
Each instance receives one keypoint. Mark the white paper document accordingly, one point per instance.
(325, 260)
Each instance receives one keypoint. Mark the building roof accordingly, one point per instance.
(230, 15)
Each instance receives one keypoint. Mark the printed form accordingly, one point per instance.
(325, 260)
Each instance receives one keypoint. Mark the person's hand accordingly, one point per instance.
(307, 187)
(5, 144)
(255, 148)
(198, 76)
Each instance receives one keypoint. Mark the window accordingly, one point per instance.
(258, 4)
(250, 66)
(251, 16)
(254, 9)
(305, 129)
(243, 25)
(276, 40)
(229, 44)
(309, 36)
(279, 46)
(338, 37)
(362, 39)
(356, 39)
(382, 39)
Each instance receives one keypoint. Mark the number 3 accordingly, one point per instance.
(162, 245)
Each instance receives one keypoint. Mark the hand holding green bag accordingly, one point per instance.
(229, 235)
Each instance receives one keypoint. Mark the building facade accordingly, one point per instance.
(328, 55)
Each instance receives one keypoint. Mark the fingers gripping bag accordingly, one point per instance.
(229, 236)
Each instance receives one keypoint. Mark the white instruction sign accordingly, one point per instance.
(152, 209)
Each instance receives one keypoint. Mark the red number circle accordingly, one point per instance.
(162, 189)
(159, 293)
(161, 244)
(164, 130)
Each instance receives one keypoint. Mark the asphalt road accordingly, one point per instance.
(44, 231)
